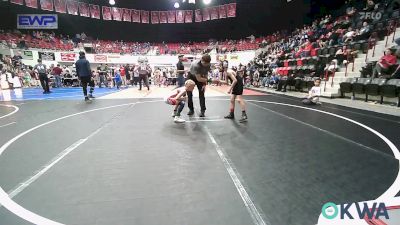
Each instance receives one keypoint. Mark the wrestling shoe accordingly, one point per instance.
(178, 119)
(202, 114)
(243, 119)
(230, 116)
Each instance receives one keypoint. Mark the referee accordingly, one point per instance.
(199, 74)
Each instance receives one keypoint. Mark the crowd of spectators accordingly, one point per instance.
(49, 40)
(328, 32)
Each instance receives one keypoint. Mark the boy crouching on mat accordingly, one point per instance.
(177, 98)
(313, 95)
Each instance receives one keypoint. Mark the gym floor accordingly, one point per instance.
(124, 161)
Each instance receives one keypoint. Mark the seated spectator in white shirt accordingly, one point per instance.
(313, 95)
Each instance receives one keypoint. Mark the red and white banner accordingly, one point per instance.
(172, 16)
(189, 16)
(180, 16)
(72, 7)
(222, 11)
(117, 13)
(135, 15)
(100, 58)
(47, 5)
(231, 9)
(18, 2)
(206, 14)
(145, 16)
(33, 4)
(60, 6)
(126, 15)
(107, 13)
(84, 9)
(94, 11)
(155, 17)
(214, 13)
(163, 17)
(197, 16)
(69, 57)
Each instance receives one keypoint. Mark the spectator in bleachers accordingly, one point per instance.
(370, 6)
(365, 32)
(384, 65)
(349, 35)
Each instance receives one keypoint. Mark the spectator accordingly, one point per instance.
(365, 32)
(57, 75)
(385, 64)
(313, 95)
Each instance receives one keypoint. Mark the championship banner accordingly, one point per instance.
(84, 9)
(189, 16)
(155, 17)
(68, 57)
(197, 16)
(206, 14)
(214, 13)
(60, 6)
(117, 13)
(163, 17)
(46, 5)
(145, 16)
(27, 55)
(31, 4)
(135, 15)
(48, 56)
(18, 2)
(100, 58)
(72, 7)
(180, 16)
(107, 13)
(94, 11)
(222, 11)
(126, 15)
(231, 8)
(171, 16)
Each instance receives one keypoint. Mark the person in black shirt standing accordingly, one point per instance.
(199, 74)
(85, 75)
(180, 70)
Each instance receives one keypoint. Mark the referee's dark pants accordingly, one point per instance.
(84, 83)
(44, 81)
(201, 94)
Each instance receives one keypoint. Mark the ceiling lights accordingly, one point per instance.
(206, 2)
(176, 5)
(112, 2)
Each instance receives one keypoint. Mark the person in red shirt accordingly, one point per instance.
(57, 75)
(123, 77)
(384, 64)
